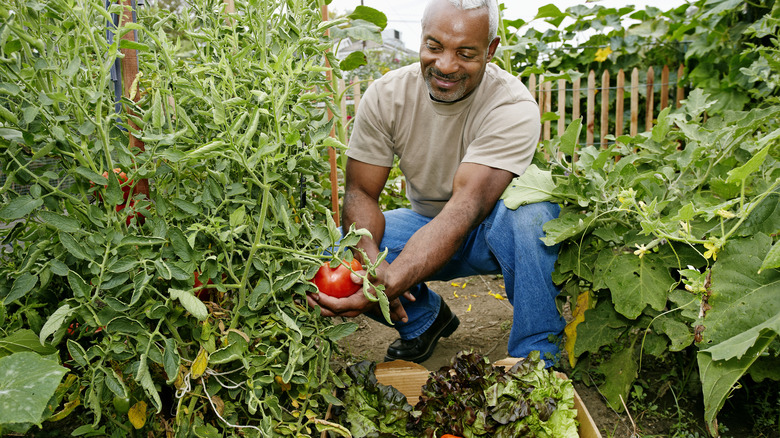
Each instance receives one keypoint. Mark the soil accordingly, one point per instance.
(485, 319)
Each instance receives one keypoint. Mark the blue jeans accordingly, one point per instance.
(507, 242)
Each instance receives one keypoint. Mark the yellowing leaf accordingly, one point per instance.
(469, 309)
(496, 296)
(200, 364)
(578, 314)
(137, 414)
(66, 410)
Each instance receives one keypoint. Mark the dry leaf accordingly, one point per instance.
(578, 315)
(137, 414)
(200, 364)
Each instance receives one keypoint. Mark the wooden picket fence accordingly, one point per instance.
(646, 94)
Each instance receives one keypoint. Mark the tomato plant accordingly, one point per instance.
(235, 145)
(337, 282)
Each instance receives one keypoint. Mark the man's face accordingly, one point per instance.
(455, 50)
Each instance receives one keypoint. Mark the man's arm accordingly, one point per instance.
(363, 186)
(476, 189)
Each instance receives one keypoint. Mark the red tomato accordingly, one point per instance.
(449, 435)
(337, 282)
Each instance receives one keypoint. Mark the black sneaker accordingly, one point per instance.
(421, 348)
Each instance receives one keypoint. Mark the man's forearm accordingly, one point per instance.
(429, 249)
(364, 212)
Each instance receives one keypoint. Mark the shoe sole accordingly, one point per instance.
(445, 332)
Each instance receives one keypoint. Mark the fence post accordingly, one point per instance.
(547, 85)
(619, 97)
(604, 108)
(665, 87)
(532, 86)
(634, 130)
(575, 99)
(561, 106)
(650, 99)
(591, 114)
(680, 88)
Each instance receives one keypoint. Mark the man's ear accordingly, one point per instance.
(492, 48)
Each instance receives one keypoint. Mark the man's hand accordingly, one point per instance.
(357, 303)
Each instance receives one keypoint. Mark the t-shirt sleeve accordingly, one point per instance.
(507, 138)
(371, 141)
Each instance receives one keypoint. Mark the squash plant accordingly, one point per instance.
(669, 243)
(184, 310)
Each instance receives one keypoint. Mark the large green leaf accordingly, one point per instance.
(719, 377)
(737, 346)
(534, 185)
(602, 326)
(635, 282)
(741, 299)
(27, 382)
(622, 369)
(369, 14)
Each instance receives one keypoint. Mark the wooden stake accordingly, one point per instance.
(332, 159)
(129, 67)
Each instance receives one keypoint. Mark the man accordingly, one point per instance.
(462, 129)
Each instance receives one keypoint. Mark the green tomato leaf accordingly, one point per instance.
(21, 287)
(171, 360)
(54, 322)
(145, 379)
(77, 284)
(62, 223)
(72, 246)
(19, 207)
(125, 325)
(114, 383)
(191, 303)
(77, 352)
(340, 331)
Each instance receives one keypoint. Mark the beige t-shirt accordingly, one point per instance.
(497, 125)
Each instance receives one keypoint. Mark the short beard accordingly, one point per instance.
(449, 96)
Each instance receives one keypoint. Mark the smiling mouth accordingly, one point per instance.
(444, 83)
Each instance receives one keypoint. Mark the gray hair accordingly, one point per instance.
(492, 8)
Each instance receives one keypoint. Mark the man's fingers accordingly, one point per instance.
(397, 311)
